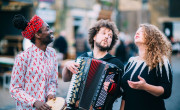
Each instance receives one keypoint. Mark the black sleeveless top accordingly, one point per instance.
(159, 76)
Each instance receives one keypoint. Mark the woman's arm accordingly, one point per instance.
(154, 90)
(142, 85)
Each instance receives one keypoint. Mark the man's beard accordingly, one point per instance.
(47, 40)
(101, 48)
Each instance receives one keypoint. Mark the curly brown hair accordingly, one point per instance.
(158, 46)
(95, 29)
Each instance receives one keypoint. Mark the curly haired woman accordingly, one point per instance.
(148, 77)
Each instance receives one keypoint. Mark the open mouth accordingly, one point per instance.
(105, 43)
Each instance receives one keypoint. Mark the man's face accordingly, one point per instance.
(103, 39)
(46, 36)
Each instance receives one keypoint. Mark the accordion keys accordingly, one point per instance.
(80, 74)
(77, 89)
(73, 101)
(76, 81)
(78, 84)
(74, 95)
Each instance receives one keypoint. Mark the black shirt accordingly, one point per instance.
(140, 99)
(110, 59)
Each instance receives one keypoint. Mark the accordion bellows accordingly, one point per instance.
(86, 88)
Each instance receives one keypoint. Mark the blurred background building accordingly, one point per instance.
(75, 17)
(72, 19)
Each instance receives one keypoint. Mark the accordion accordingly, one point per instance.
(86, 87)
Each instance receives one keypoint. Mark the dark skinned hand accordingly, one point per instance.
(41, 106)
(50, 96)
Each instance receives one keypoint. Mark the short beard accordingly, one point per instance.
(47, 41)
(101, 47)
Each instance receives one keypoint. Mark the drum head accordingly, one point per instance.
(57, 104)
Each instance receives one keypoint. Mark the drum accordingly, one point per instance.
(57, 104)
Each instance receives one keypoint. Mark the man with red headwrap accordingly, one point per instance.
(34, 76)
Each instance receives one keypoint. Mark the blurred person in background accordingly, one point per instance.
(34, 75)
(121, 52)
(125, 37)
(147, 80)
(81, 44)
(102, 38)
(61, 45)
(131, 49)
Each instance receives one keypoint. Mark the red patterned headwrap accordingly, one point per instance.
(33, 26)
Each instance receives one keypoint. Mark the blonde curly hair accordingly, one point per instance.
(158, 46)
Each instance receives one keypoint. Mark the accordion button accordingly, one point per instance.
(77, 89)
(73, 101)
(74, 95)
(78, 84)
(75, 86)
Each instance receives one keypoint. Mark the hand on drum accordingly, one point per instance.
(50, 96)
(41, 106)
(106, 85)
(72, 66)
(57, 104)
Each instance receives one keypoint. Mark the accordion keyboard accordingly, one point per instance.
(103, 93)
(75, 85)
